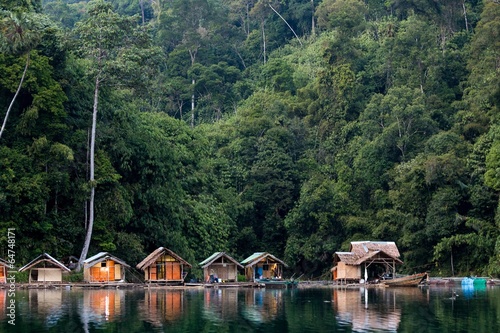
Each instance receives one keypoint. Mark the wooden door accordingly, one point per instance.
(152, 273)
(173, 271)
(2, 274)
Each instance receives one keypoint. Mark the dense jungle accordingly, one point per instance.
(287, 126)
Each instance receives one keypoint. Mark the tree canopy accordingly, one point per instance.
(292, 127)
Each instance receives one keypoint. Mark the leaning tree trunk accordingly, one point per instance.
(17, 93)
(90, 225)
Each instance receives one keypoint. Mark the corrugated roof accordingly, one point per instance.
(215, 256)
(253, 257)
(44, 257)
(258, 256)
(101, 256)
(151, 258)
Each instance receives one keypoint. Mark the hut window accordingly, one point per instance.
(265, 267)
(103, 264)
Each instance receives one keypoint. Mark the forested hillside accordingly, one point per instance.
(287, 126)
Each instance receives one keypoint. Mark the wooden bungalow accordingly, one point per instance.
(365, 261)
(220, 265)
(263, 265)
(4, 267)
(44, 268)
(163, 265)
(104, 267)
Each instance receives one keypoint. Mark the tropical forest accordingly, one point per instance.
(293, 127)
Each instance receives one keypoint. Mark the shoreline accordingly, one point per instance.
(433, 281)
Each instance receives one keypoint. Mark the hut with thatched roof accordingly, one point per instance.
(163, 265)
(4, 267)
(365, 260)
(44, 268)
(104, 267)
(220, 265)
(263, 265)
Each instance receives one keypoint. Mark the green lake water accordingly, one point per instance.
(427, 309)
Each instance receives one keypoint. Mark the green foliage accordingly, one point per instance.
(72, 277)
(381, 126)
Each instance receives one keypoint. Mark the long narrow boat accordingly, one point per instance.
(277, 283)
(406, 281)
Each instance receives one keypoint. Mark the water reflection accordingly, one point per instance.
(46, 304)
(220, 304)
(261, 305)
(254, 310)
(103, 305)
(98, 307)
(161, 306)
(354, 308)
(472, 290)
(3, 303)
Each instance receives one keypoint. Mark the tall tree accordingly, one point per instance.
(102, 37)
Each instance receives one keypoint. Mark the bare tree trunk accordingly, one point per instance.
(451, 259)
(264, 40)
(465, 17)
(192, 105)
(17, 93)
(141, 4)
(192, 54)
(281, 17)
(247, 23)
(313, 24)
(90, 226)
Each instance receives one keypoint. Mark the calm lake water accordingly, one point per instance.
(428, 309)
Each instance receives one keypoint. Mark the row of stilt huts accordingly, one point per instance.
(366, 260)
(162, 265)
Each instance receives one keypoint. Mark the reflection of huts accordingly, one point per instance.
(44, 268)
(163, 306)
(222, 266)
(103, 305)
(3, 303)
(45, 302)
(352, 310)
(221, 304)
(4, 267)
(365, 260)
(262, 306)
(263, 265)
(104, 267)
(163, 265)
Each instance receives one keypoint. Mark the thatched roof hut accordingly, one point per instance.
(163, 265)
(45, 268)
(263, 265)
(4, 267)
(220, 265)
(380, 257)
(104, 267)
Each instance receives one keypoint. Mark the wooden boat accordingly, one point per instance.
(406, 281)
(277, 283)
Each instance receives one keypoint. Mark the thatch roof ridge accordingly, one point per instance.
(44, 257)
(363, 250)
(363, 247)
(151, 258)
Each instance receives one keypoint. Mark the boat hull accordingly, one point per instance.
(407, 281)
